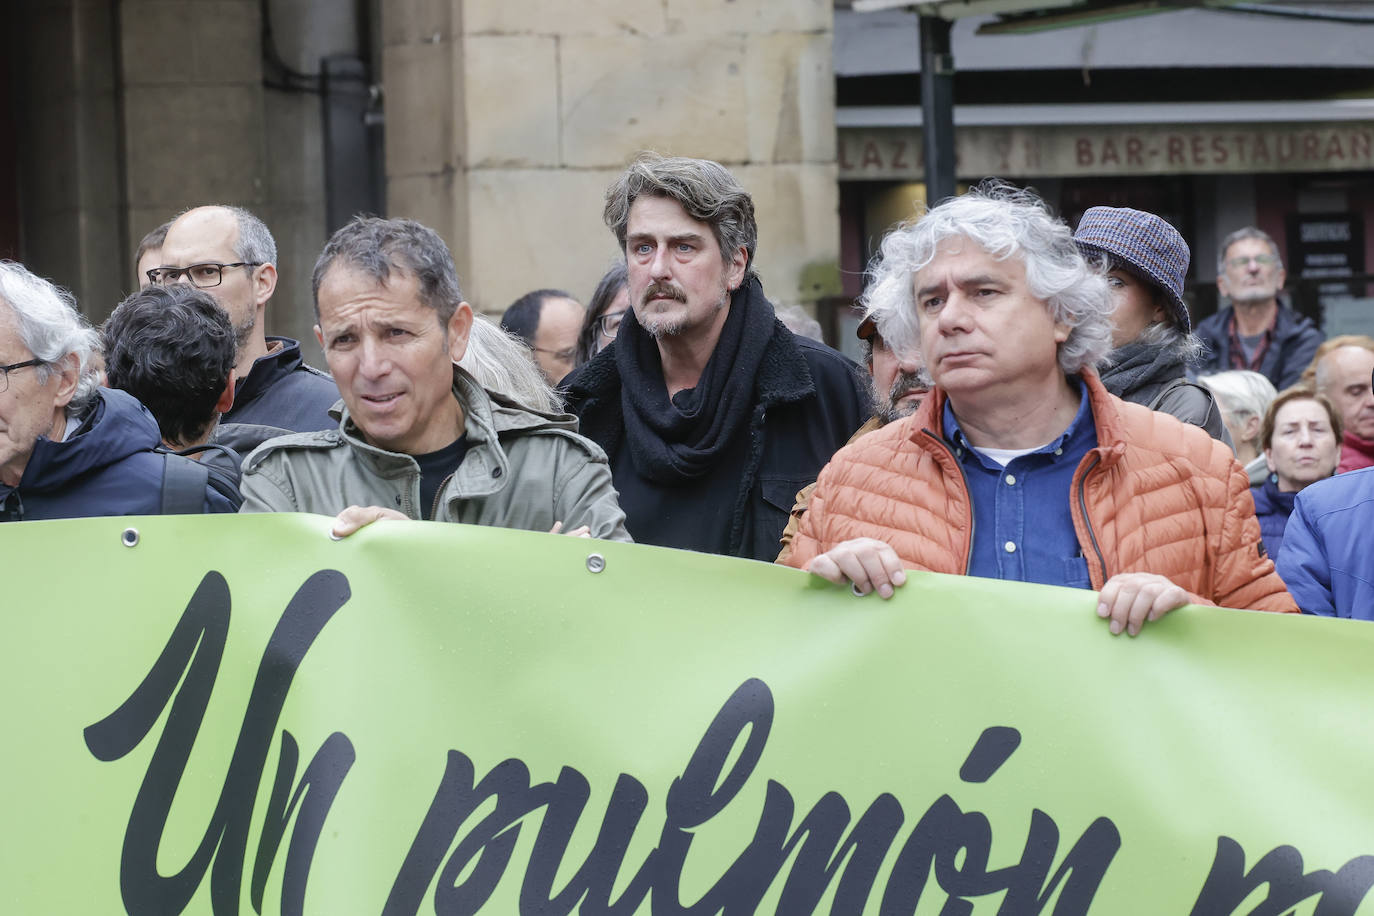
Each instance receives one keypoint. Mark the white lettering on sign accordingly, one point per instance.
(1326, 232)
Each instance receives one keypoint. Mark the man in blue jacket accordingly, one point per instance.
(69, 448)
(1325, 560)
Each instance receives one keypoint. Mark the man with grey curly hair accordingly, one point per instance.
(68, 447)
(1020, 465)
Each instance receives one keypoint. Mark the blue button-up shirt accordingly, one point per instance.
(1022, 526)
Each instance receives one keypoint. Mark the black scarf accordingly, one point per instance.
(676, 439)
(1139, 371)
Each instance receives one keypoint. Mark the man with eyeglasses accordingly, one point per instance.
(229, 253)
(1256, 332)
(548, 320)
(70, 448)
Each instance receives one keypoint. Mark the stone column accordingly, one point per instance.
(68, 148)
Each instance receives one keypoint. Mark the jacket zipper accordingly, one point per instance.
(972, 521)
(434, 510)
(1087, 522)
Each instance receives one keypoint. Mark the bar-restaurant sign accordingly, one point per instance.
(894, 153)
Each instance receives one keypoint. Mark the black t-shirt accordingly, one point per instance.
(435, 469)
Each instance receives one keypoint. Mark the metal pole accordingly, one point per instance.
(937, 108)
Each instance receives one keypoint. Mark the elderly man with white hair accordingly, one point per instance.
(69, 448)
(1020, 465)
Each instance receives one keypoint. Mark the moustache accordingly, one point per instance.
(662, 291)
(906, 383)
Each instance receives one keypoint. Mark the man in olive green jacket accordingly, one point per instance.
(418, 437)
(521, 470)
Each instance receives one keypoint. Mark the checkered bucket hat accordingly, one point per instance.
(1143, 244)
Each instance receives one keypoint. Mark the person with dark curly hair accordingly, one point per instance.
(172, 347)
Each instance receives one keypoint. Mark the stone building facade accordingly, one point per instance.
(503, 123)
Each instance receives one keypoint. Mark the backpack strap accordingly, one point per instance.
(183, 485)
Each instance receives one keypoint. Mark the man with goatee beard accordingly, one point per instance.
(900, 382)
(713, 414)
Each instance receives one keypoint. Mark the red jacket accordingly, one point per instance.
(1154, 496)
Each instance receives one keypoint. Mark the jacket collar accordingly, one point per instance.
(116, 427)
(1111, 439)
(485, 469)
(268, 370)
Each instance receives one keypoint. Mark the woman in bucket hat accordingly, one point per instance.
(1145, 259)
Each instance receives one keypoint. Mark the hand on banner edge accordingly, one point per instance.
(868, 563)
(355, 517)
(581, 531)
(1131, 599)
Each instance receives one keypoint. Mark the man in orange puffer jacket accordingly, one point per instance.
(1020, 465)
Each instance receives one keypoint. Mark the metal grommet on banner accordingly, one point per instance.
(854, 587)
(595, 562)
(129, 538)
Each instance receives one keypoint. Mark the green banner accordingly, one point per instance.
(237, 714)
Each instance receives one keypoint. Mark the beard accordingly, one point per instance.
(660, 326)
(886, 406)
(1252, 294)
(243, 330)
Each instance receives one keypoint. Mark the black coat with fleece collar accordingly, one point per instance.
(808, 400)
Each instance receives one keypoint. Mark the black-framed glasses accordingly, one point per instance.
(201, 276)
(609, 323)
(6, 370)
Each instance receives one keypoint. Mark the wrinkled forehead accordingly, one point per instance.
(1296, 410)
(348, 291)
(959, 259)
(1250, 247)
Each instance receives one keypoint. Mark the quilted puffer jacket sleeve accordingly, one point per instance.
(1244, 576)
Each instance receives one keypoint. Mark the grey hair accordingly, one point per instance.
(1006, 222)
(1240, 392)
(379, 247)
(51, 328)
(502, 363)
(799, 322)
(255, 244)
(1240, 235)
(1173, 340)
(706, 190)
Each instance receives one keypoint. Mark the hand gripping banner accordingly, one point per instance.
(231, 715)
